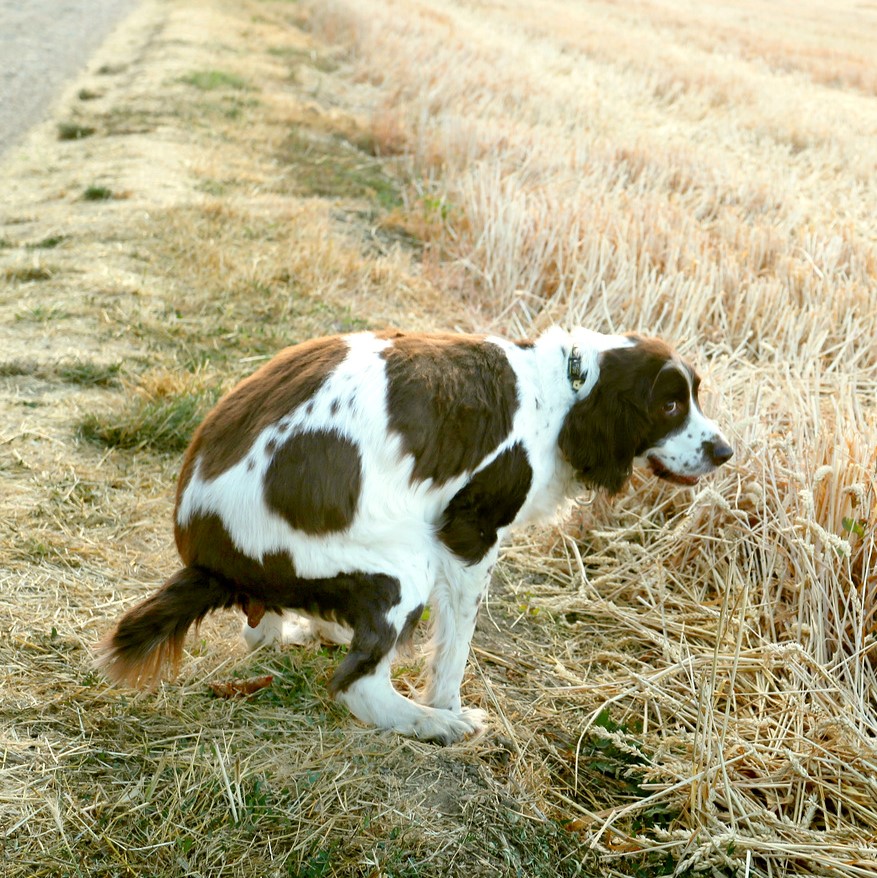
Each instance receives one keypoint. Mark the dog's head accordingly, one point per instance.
(643, 408)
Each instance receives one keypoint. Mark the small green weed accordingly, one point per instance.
(35, 549)
(48, 243)
(294, 56)
(41, 314)
(17, 367)
(855, 526)
(74, 131)
(89, 374)
(97, 193)
(28, 273)
(212, 187)
(336, 168)
(210, 80)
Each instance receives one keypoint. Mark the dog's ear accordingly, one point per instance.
(604, 432)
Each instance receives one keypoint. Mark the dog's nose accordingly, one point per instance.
(717, 451)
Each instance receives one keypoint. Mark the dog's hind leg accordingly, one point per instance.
(362, 681)
(293, 629)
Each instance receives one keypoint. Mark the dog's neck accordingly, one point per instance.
(574, 372)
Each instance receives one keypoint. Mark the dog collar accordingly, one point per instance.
(574, 371)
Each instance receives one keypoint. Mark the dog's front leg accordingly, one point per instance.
(454, 605)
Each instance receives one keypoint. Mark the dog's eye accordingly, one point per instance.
(672, 408)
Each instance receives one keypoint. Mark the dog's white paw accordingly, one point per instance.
(448, 727)
(287, 630)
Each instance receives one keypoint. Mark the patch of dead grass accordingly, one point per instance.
(625, 170)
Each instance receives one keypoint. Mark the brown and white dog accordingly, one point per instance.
(354, 479)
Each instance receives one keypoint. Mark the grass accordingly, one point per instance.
(90, 374)
(334, 167)
(74, 131)
(211, 80)
(86, 373)
(28, 273)
(50, 242)
(40, 313)
(680, 682)
(161, 415)
(97, 193)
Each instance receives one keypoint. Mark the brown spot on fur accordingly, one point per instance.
(279, 387)
(490, 501)
(255, 611)
(412, 620)
(314, 481)
(451, 398)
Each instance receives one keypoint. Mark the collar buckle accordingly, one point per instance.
(574, 372)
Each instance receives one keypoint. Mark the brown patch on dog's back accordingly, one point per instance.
(313, 481)
(275, 390)
(452, 399)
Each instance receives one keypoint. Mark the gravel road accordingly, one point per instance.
(43, 43)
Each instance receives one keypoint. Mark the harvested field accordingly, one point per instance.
(680, 681)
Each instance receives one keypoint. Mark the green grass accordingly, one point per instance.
(83, 372)
(322, 62)
(97, 193)
(211, 80)
(41, 313)
(28, 273)
(612, 766)
(162, 424)
(47, 243)
(334, 167)
(89, 374)
(74, 131)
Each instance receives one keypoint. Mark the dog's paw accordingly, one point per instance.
(476, 719)
(448, 727)
(289, 629)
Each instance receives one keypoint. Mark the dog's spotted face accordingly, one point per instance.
(643, 409)
(684, 444)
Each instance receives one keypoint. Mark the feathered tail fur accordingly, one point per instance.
(150, 636)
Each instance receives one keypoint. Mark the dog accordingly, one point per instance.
(355, 478)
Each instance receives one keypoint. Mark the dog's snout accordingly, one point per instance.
(717, 451)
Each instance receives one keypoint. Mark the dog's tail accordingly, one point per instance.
(150, 636)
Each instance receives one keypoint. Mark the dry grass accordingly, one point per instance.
(705, 174)
(681, 682)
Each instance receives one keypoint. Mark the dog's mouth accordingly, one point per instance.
(668, 475)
